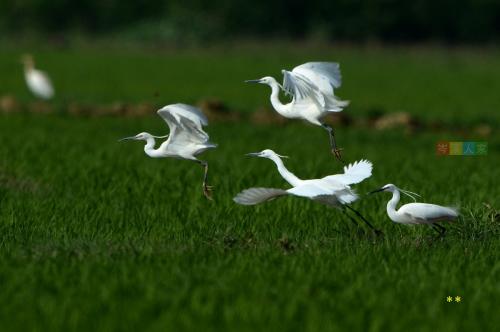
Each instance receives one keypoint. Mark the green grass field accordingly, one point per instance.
(96, 236)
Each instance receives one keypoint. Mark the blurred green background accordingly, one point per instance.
(185, 21)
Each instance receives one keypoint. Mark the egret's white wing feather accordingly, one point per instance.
(301, 88)
(425, 212)
(254, 196)
(185, 123)
(341, 197)
(186, 111)
(353, 173)
(325, 75)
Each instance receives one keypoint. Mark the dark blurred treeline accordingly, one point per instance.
(350, 20)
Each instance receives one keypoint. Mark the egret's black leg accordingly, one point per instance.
(333, 144)
(378, 232)
(440, 229)
(351, 218)
(207, 190)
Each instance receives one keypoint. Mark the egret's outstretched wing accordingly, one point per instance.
(325, 75)
(254, 196)
(353, 173)
(185, 123)
(301, 88)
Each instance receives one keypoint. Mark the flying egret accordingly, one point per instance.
(311, 87)
(186, 139)
(38, 81)
(333, 190)
(417, 213)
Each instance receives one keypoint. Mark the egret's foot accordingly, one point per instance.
(337, 153)
(207, 192)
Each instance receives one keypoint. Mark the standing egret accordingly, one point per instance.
(186, 139)
(333, 190)
(311, 87)
(38, 81)
(417, 213)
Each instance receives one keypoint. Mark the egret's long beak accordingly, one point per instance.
(376, 191)
(253, 81)
(253, 154)
(126, 138)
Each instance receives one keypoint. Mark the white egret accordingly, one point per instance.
(186, 139)
(311, 87)
(333, 190)
(417, 213)
(38, 81)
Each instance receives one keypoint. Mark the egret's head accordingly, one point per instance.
(388, 187)
(264, 80)
(27, 61)
(392, 188)
(142, 137)
(266, 154)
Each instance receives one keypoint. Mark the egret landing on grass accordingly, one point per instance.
(311, 87)
(38, 82)
(186, 139)
(333, 190)
(417, 213)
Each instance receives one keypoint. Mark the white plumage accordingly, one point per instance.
(416, 213)
(311, 86)
(38, 81)
(333, 190)
(186, 140)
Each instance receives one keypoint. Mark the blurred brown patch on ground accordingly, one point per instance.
(217, 111)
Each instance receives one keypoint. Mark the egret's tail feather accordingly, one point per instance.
(254, 196)
(335, 105)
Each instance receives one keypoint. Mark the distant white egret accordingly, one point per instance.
(38, 81)
(333, 190)
(417, 213)
(186, 139)
(311, 87)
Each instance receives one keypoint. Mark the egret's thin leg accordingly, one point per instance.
(351, 218)
(207, 190)
(366, 221)
(440, 229)
(333, 144)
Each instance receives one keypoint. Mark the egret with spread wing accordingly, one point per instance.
(38, 81)
(186, 139)
(333, 190)
(311, 86)
(417, 213)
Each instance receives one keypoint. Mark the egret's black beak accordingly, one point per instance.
(126, 138)
(253, 154)
(252, 81)
(376, 191)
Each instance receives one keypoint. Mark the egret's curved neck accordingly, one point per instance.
(391, 205)
(149, 148)
(275, 99)
(286, 174)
